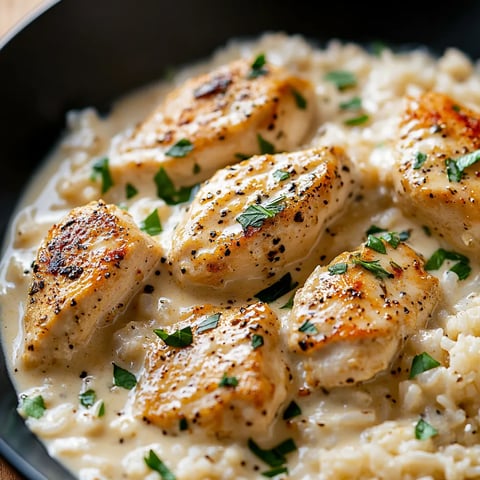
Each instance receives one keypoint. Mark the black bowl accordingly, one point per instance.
(77, 54)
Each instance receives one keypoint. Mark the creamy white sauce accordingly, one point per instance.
(339, 432)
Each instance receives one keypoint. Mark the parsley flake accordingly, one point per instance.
(274, 457)
(360, 120)
(228, 381)
(265, 146)
(255, 215)
(373, 266)
(257, 68)
(462, 268)
(281, 175)
(101, 167)
(180, 149)
(88, 398)
(376, 244)
(123, 378)
(276, 290)
(274, 472)
(289, 304)
(338, 268)
(421, 363)
(209, 323)
(420, 159)
(101, 410)
(33, 407)
(342, 79)
(456, 167)
(300, 100)
(183, 424)
(152, 224)
(426, 230)
(257, 341)
(166, 189)
(423, 430)
(130, 190)
(155, 464)
(180, 338)
(354, 103)
(293, 410)
(375, 229)
(308, 327)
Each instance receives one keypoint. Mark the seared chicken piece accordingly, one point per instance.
(252, 221)
(351, 318)
(218, 118)
(86, 269)
(230, 381)
(435, 133)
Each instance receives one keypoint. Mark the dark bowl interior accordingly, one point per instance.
(87, 53)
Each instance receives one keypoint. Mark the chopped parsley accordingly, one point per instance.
(423, 430)
(376, 244)
(275, 457)
(228, 381)
(180, 338)
(281, 175)
(289, 304)
(456, 108)
(183, 424)
(402, 236)
(300, 100)
(101, 167)
(101, 410)
(209, 323)
(426, 230)
(377, 47)
(360, 120)
(354, 103)
(155, 464)
(274, 472)
(421, 363)
(166, 189)
(373, 266)
(152, 224)
(123, 378)
(33, 407)
(420, 159)
(338, 268)
(276, 290)
(88, 398)
(293, 410)
(456, 167)
(342, 79)
(180, 149)
(265, 146)
(130, 190)
(462, 268)
(257, 68)
(255, 215)
(308, 327)
(257, 341)
(375, 229)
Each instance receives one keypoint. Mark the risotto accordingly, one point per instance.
(97, 403)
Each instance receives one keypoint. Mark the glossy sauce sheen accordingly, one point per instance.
(341, 431)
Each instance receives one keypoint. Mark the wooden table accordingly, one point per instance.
(11, 12)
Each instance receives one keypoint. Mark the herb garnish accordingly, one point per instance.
(274, 472)
(101, 410)
(180, 338)
(257, 67)
(373, 266)
(421, 363)
(255, 215)
(265, 146)
(257, 341)
(276, 290)
(423, 430)
(289, 304)
(166, 189)
(293, 410)
(420, 159)
(299, 99)
(183, 424)
(354, 103)
(33, 407)
(375, 229)
(228, 381)
(155, 464)
(308, 327)
(342, 79)
(376, 244)
(274, 457)
(130, 190)
(281, 175)
(88, 398)
(456, 167)
(152, 224)
(180, 149)
(361, 119)
(102, 167)
(209, 323)
(461, 268)
(338, 268)
(123, 378)
(426, 230)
